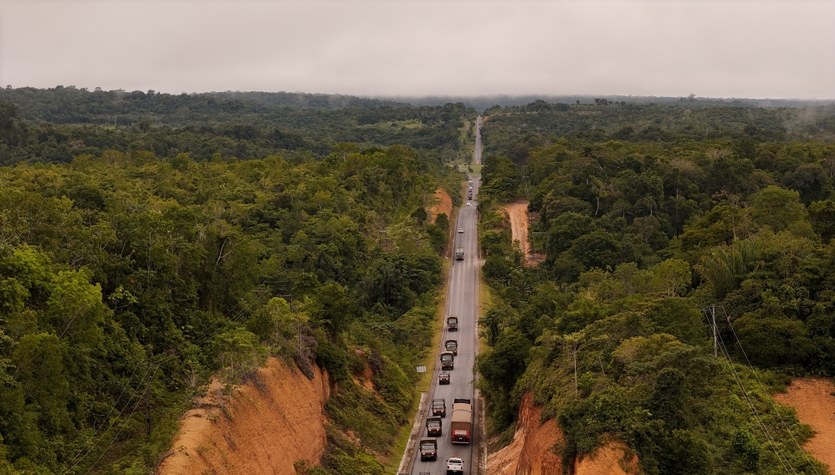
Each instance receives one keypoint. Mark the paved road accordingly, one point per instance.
(462, 302)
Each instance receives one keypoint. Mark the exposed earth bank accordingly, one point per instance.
(263, 426)
(517, 214)
(441, 203)
(531, 451)
(814, 401)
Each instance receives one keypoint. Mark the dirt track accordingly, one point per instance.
(517, 213)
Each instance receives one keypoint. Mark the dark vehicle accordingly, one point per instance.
(452, 345)
(428, 449)
(447, 360)
(452, 324)
(439, 407)
(459, 254)
(443, 377)
(433, 427)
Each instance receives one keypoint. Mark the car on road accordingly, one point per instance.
(469, 204)
(460, 230)
(443, 377)
(454, 466)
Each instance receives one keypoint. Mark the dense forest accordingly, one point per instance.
(142, 254)
(658, 220)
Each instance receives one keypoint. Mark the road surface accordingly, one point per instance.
(463, 303)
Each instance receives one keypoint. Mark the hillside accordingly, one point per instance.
(140, 259)
(722, 211)
(273, 421)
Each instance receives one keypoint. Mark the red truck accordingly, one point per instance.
(461, 427)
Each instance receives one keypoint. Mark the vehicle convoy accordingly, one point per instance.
(461, 426)
(454, 466)
(459, 254)
(452, 345)
(428, 449)
(452, 324)
(433, 427)
(447, 360)
(439, 407)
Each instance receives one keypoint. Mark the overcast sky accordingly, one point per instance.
(711, 48)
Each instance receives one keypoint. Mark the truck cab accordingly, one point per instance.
(452, 345)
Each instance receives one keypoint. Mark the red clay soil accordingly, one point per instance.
(517, 214)
(441, 203)
(259, 428)
(531, 452)
(814, 401)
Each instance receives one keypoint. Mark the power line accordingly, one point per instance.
(784, 462)
(785, 425)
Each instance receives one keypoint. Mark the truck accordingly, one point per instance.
(461, 426)
(452, 345)
(459, 254)
(470, 193)
(452, 324)
(434, 427)
(439, 407)
(447, 360)
(454, 466)
(428, 450)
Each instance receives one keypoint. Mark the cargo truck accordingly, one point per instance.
(452, 324)
(428, 449)
(447, 360)
(459, 254)
(461, 426)
(452, 345)
(439, 407)
(433, 427)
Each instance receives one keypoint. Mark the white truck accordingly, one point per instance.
(454, 466)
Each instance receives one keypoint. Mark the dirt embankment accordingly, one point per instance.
(814, 401)
(442, 203)
(517, 214)
(531, 452)
(263, 426)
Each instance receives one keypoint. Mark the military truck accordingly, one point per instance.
(452, 324)
(439, 407)
(459, 254)
(461, 427)
(428, 449)
(452, 345)
(447, 360)
(433, 427)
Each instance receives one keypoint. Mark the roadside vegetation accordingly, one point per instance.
(656, 219)
(138, 259)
